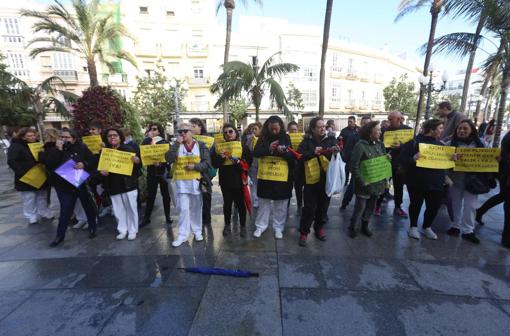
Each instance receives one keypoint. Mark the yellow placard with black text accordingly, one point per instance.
(397, 137)
(116, 161)
(36, 176)
(295, 139)
(152, 154)
(480, 160)
(218, 137)
(231, 148)
(93, 142)
(435, 157)
(312, 171)
(35, 149)
(273, 168)
(179, 170)
(207, 140)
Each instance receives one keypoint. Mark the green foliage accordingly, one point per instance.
(454, 99)
(131, 119)
(238, 109)
(294, 98)
(155, 98)
(401, 95)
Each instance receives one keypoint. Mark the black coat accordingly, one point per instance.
(116, 184)
(417, 177)
(53, 158)
(275, 190)
(230, 176)
(307, 150)
(153, 170)
(21, 160)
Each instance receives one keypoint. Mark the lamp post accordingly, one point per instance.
(427, 84)
(177, 85)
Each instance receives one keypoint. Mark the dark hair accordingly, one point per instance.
(330, 122)
(119, 132)
(74, 133)
(292, 123)
(199, 123)
(430, 125)
(473, 136)
(313, 123)
(366, 117)
(352, 117)
(272, 120)
(96, 124)
(229, 125)
(366, 131)
(445, 104)
(23, 131)
(158, 125)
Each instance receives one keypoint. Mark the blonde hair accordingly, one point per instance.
(51, 135)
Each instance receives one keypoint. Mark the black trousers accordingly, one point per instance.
(492, 202)
(505, 238)
(417, 196)
(398, 188)
(206, 208)
(233, 196)
(67, 202)
(152, 190)
(316, 204)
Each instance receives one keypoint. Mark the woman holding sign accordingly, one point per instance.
(316, 150)
(275, 175)
(464, 202)
(122, 188)
(33, 191)
(370, 167)
(191, 160)
(227, 158)
(67, 148)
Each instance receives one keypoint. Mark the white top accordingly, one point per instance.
(188, 186)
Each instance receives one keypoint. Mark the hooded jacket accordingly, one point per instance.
(21, 160)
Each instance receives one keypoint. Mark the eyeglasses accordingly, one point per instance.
(230, 131)
(183, 131)
(154, 129)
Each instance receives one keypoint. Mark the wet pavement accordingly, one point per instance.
(385, 285)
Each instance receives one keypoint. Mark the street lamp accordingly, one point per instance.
(177, 85)
(427, 84)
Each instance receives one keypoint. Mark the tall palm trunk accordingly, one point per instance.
(229, 7)
(505, 86)
(91, 66)
(434, 12)
(325, 39)
(471, 61)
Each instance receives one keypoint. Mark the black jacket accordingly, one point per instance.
(153, 170)
(504, 166)
(53, 158)
(230, 176)
(21, 160)
(307, 150)
(116, 184)
(275, 190)
(422, 178)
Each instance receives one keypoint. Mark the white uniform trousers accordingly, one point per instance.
(279, 210)
(464, 207)
(126, 211)
(190, 214)
(35, 205)
(253, 193)
(79, 212)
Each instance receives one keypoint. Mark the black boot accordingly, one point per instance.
(479, 216)
(57, 241)
(365, 230)
(145, 222)
(352, 232)
(227, 230)
(242, 231)
(168, 220)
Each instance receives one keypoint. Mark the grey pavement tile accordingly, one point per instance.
(154, 311)
(67, 312)
(335, 245)
(9, 242)
(178, 277)
(211, 244)
(10, 300)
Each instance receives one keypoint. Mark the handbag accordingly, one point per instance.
(477, 183)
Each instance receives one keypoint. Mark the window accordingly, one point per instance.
(350, 66)
(310, 73)
(144, 10)
(350, 98)
(377, 99)
(309, 98)
(17, 64)
(198, 73)
(170, 13)
(335, 63)
(11, 26)
(363, 99)
(335, 93)
(63, 61)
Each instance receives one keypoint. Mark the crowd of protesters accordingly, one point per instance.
(185, 177)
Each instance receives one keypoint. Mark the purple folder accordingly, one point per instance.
(74, 176)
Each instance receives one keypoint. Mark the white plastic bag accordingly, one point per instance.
(335, 176)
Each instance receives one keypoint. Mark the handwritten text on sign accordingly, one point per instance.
(205, 139)
(115, 161)
(35, 149)
(435, 157)
(181, 173)
(392, 138)
(273, 168)
(93, 142)
(233, 148)
(152, 154)
(376, 169)
(295, 139)
(477, 160)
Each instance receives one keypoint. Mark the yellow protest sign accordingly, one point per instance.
(435, 157)
(295, 139)
(253, 143)
(116, 161)
(312, 171)
(35, 149)
(324, 163)
(233, 148)
(180, 173)
(93, 142)
(218, 137)
(209, 141)
(35, 177)
(152, 154)
(273, 168)
(392, 138)
(482, 160)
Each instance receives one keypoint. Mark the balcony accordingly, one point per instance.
(351, 104)
(118, 78)
(67, 75)
(352, 75)
(364, 105)
(21, 73)
(335, 103)
(199, 81)
(364, 77)
(197, 49)
(13, 40)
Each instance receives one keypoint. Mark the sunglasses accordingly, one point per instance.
(228, 131)
(183, 131)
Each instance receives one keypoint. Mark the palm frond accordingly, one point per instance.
(62, 12)
(454, 44)
(267, 64)
(409, 6)
(51, 84)
(230, 88)
(281, 69)
(124, 55)
(69, 97)
(59, 107)
(83, 16)
(277, 95)
(469, 9)
(36, 51)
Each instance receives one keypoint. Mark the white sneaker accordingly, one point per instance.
(414, 233)
(278, 234)
(86, 226)
(257, 233)
(121, 235)
(132, 236)
(430, 234)
(178, 242)
(199, 237)
(105, 211)
(79, 225)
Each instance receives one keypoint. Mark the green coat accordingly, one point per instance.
(365, 150)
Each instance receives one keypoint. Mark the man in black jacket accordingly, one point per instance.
(505, 187)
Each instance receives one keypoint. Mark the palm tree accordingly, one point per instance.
(409, 6)
(325, 40)
(229, 5)
(238, 78)
(86, 32)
